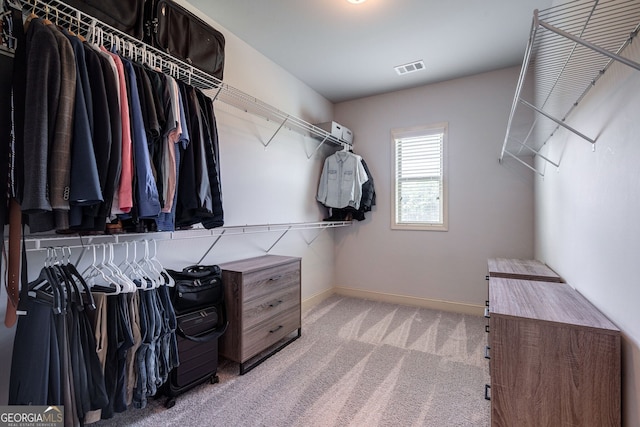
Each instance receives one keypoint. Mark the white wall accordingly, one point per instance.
(490, 206)
(274, 185)
(270, 185)
(587, 226)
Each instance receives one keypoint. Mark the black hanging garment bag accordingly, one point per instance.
(124, 15)
(164, 25)
(178, 32)
(198, 299)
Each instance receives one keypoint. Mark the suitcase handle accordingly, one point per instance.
(216, 333)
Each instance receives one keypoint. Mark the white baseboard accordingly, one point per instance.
(456, 307)
(317, 299)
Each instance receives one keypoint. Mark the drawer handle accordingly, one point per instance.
(273, 304)
(486, 352)
(486, 392)
(276, 329)
(274, 278)
(486, 313)
(486, 328)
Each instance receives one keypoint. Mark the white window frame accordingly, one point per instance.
(417, 131)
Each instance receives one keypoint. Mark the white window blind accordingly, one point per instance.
(419, 178)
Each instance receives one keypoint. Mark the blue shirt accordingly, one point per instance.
(341, 181)
(146, 188)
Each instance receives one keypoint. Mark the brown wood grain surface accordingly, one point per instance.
(526, 269)
(545, 301)
(555, 359)
(263, 299)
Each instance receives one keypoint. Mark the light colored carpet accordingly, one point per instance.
(358, 363)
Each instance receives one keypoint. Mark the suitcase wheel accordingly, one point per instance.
(170, 403)
(215, 379)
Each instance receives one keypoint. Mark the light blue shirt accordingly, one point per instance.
(341, 180)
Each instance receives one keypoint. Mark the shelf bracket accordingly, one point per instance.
(521, 80)
(557, 121)
(279, 238)
(211, 247)
(537, 153)
(508, 153)
(315, 238)
(276, 132)
(318, 147)
(217, 93)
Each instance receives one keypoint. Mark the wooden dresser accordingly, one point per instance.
(554, 358)
(262, 296)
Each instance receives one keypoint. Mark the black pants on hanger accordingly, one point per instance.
(35, 368)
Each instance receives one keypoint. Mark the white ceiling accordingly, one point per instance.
(346, 51)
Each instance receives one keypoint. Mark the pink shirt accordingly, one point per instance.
(125, 190)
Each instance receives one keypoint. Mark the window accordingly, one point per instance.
(419, 166)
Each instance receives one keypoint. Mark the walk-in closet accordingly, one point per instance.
(345, 213)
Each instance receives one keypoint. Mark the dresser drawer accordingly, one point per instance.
(263, 284)
(269, 332)
(284, 296)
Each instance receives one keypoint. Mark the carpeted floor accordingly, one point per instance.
(358, 363)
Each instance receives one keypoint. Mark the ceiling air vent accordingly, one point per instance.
(411, 67)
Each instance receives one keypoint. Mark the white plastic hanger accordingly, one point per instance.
(94, 276)
(130, 269)
(127, 283)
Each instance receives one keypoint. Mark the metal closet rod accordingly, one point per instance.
(135, 49)
(38, 243)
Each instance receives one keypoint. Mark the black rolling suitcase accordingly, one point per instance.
(198, 331)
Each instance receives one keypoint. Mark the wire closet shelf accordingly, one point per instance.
(570, 47)
(93, 29)
(134, 49)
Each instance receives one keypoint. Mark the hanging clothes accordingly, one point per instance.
(367, 201)
(341, 181)
(111, 184)
(187, 203)
(98, 319)
(173, 139)
(123, 196)
(105, 140)
(146, 189)
(85, 187)
(88, 351)
(64, 368)
(102, 135)
(60, 162)
(212, 152)
(42, 91)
